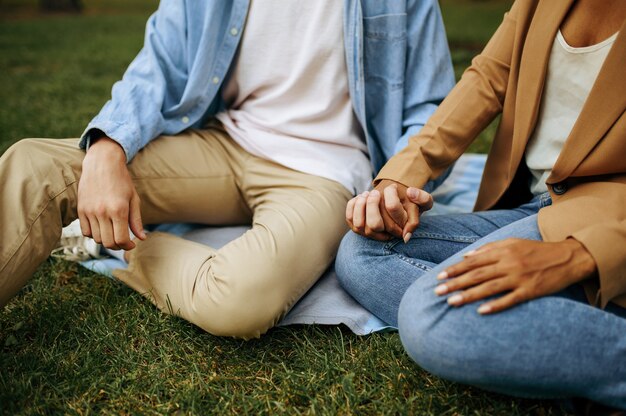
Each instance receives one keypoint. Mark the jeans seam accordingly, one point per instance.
(456, 239)
(411, 262)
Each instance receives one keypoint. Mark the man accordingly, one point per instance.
(272, 113)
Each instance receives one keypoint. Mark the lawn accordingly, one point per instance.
(73, 342)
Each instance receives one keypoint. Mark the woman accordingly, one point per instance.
(526, 296)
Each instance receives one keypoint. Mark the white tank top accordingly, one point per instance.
(571, 75)
(287, 95)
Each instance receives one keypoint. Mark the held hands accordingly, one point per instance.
(525, 269)
(390, 210)
(107, 200)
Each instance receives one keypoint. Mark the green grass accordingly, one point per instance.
(73, 342)
(57, 72)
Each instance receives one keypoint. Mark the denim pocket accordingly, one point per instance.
(385, 42)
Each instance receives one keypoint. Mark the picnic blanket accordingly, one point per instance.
(326, 302)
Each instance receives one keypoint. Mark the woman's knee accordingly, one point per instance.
(442, 339)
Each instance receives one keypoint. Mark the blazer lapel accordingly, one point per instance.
(606, 102)
(533, 70)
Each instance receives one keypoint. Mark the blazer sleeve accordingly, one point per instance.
(469, 108)
(606, 243)
(134, 114)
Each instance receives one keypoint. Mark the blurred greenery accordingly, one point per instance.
(21, 8)
(73, 342)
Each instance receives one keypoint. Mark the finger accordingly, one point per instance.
(505, 302)
(390, 225)
(136, 224)
(350, 211)
(492, 246)
(420, 197)
(108, 237)
(413, 219)
(393, 206)
(95, 229)
(482, 291)
(121, 234)
(478, 259)
(373, 219)
(469, 279)
(85, 228)
(358, 218)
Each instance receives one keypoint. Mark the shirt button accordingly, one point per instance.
(559, 188)
(234, 31)
(185, 119)
(216, 80)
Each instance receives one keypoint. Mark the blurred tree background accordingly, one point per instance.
(57, 68)
(75, 6)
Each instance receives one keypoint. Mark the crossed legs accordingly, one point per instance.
(240, 290)
(552, 347)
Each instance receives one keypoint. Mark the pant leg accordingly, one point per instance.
(247, 286)
(179, 178)
(552, 347)
(38, 188)
(378, 273)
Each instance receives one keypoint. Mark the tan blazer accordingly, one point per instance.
(588, 181)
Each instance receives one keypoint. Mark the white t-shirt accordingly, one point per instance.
(287, 95)
(571, 75)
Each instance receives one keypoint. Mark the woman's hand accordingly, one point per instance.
(525, 269)
(390, 210)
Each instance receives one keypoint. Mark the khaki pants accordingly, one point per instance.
(240, 290)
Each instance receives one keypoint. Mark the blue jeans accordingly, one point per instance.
(553, 347)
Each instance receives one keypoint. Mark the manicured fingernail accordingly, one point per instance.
(455, 300)
(443, 275)
(484, 309)
(412, 193)
(365, 194)
(441, 290)
(469, 253)
(407, 237)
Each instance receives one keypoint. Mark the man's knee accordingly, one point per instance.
(240, 306)
(35, 158)
(233, 318)
(21, 152)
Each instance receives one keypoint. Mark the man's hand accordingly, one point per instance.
(390, 210)
(107, 200)
(525, 269)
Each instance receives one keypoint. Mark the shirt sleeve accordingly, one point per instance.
(429, 72)
(155, 78)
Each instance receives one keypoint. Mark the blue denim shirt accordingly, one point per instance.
(397, 56)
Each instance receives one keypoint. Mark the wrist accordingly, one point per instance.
(388, 182)
(105, 147)
(583, 260)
